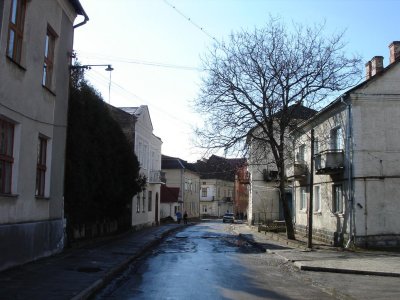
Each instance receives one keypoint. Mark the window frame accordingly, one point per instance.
(336, 138)
(144, 201)
(48, 60)
(138, 203)
(204, 192)
(6, 156)
(41, 167)
(150, 201)
(317, 199)
(338, 204)
(303, 199)
(14, 45)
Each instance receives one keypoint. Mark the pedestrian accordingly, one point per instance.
(185, 216)
(178, 216)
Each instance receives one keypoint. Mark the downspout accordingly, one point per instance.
(349, 154)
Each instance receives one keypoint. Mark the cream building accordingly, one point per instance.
(356, 178)
(36, 40)
(181, 174)
(216, 197)
(147, 147)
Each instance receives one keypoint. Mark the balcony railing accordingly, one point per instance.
(156, 177)
(297, 170)
(329, 162)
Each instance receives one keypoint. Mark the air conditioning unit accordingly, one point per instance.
(270, 175)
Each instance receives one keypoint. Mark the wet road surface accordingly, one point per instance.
(208, 261)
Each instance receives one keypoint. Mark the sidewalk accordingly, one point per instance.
(78, 272)
(324, 258)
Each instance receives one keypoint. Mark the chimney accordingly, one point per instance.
(394, 48)
(368, 70)
(376, 65)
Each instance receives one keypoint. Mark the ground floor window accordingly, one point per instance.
(6, 155)
(303, 198)
(150, 201)
(338, 198)
(317, 198)
(204, 208)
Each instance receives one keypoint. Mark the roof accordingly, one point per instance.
(78, 7)
(217, 167)
(170, 163)
(298, 111)
(169, 194)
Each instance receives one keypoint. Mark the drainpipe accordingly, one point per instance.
(349, 154)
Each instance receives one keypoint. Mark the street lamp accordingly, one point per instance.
(88, 67)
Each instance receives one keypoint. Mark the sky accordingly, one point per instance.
(155, 48)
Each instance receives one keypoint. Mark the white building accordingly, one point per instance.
(264, 203)
(216, 197)
(36, 40)
(356, 178)
(146, 205)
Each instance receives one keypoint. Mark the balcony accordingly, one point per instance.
(243, 177)
(297, 170)
(329, 162)
(156, 177)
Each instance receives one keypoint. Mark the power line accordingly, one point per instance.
(191, 21)
(139, 62)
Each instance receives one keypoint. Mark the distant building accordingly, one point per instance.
(183, 175)
(36, 40)
(170, 203)
(147, 147)
(218, 192)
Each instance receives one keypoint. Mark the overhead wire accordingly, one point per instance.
(201, 28)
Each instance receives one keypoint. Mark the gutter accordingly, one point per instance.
(80, 11)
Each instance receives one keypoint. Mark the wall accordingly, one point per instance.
(24, 218)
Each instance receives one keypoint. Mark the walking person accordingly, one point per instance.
(178, 216)
(185, 217)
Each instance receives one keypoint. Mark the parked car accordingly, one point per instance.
(228, 217)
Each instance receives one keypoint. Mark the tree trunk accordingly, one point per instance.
(286, 210)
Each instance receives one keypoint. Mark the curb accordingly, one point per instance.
(109, 276)
(344, 271)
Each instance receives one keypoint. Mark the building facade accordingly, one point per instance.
(356, 175)
(183, 175)
(147, 147)
(36, 39)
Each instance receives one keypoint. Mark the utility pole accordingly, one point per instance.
(310, 200)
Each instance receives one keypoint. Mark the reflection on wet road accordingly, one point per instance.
(207, 261)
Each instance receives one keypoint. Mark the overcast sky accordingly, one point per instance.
(155, 50)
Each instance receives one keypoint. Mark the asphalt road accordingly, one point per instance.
(208, 261)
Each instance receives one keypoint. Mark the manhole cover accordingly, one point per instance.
(89, 269)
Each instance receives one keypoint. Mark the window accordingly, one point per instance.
(48, 57)
(317, 198)
(337, 138)
(1, 12)
(316, 146)
(303, 198)
(41, 166)
(138, 203)
(150, 201)
(338, 199)
(6, 155)
(144, 200)
(16, 30)
(301, 154)
(204, 208)
(204, 192)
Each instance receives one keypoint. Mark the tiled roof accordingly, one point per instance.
(169, 194)
(169, 162)
(217, 167)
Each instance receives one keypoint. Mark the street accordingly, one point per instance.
(209, 261)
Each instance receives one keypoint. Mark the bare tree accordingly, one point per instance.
(258, 79)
